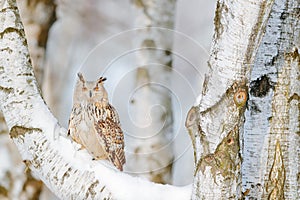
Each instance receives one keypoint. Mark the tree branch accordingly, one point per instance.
(42, 142)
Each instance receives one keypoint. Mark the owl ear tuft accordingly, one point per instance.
(80, 76)
(101, 79)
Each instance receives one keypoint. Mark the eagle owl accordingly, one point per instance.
(94, 123)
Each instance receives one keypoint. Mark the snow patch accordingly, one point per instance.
(126, 187)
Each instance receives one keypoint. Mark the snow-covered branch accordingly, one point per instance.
(42, 142)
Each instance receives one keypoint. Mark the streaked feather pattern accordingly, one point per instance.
(94, 123)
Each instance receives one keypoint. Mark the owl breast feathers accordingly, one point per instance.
(94, 123)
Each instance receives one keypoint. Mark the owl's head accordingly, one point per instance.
(90, 91)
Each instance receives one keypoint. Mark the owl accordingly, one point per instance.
(94, 123)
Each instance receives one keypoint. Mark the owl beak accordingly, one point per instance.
(90, 93)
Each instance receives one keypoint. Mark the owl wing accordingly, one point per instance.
(75, 118)
(110, 135)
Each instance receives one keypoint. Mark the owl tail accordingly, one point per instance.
(118, 159)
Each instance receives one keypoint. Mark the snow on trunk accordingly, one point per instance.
(16, 181)
(216, 123)
(69, 172)
(150, 143)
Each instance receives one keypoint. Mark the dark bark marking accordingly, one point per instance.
(149, 43)
(66, 175)
(261, 86)
(91, 190)
(220, 10)
(20, 32)
(16, 131)
(253, 106)
(6, 89)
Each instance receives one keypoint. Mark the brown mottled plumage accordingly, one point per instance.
(94, 123)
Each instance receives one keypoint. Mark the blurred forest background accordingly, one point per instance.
(98, 39)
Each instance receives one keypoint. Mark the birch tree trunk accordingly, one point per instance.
(16, 182)
(37, 17)
(271, 136)
(42, 142)
(150, 147)
(249, 148)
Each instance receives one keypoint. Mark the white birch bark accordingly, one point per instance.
(216, 123)
(151, 145)
(15, 183)
(42, 142)
(271, 137)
